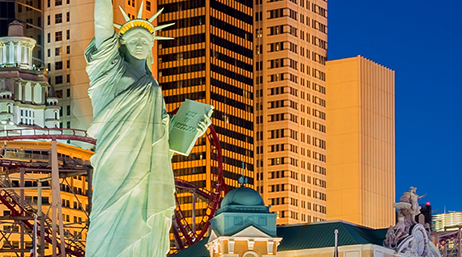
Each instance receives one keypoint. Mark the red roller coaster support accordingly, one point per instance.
(182, 229)
(18, 211)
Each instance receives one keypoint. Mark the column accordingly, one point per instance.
(11, 53)
(2, 53)
(30, 62)
(18, 53)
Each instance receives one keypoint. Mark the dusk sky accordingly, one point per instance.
(421, 41)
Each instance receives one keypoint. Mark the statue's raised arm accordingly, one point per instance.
(133, 184)
(103, 21)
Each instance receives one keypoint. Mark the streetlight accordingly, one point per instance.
(6, 122)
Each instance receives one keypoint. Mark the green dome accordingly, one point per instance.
(242, 196)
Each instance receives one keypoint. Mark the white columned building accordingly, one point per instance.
(27, 100)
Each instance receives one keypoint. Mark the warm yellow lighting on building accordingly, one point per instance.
(361, 142)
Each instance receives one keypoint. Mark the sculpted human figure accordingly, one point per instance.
(133, 196)
(412, 197)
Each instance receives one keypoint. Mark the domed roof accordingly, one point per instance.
(242, 196)
(16, 29)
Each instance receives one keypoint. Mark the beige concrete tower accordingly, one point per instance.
(361, 137)
(68, 27)
(290, 161)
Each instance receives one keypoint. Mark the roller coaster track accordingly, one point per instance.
(11, 200)
(46, 134)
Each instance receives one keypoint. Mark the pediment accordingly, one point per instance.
(251, 231)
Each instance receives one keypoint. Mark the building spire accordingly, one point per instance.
(243, 180)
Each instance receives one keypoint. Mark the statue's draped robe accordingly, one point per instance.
(133, 184)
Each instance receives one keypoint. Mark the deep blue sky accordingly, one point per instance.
(421, 40)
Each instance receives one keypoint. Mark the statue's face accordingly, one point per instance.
(139, 43)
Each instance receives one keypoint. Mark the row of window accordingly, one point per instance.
(294, 162)
(59, 78)
(59, 36)
(294, 175)
(57, 2)
(283, 160)
(59, 18)
(59, 51)
(314, 7)
(281, 29)
(293, 118)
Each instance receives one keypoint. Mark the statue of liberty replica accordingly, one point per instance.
(133, 182)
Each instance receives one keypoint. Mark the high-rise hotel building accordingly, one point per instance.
(211, 61)
(361, 136)
(68, 30)
(290, 40)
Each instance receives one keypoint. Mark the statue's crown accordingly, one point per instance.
(139, 22)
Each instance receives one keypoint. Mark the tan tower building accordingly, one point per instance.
(68, 30)
(290, 157)
(361, 136)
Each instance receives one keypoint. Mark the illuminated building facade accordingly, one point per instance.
(29, 13)
(210, 60)
(442, 221)
(361, 136)
(290, 39)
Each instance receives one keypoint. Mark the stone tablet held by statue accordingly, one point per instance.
(183, 128)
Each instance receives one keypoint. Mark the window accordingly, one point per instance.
(68, 16)
(148, 5)
(68, 34)
(58, 18)
(68, 125)
(68, 110)
(49, 52)
(68, 49)
(48, 20)
(258, 16)
(68, 64)
(58, 2)
(58, 51)
(49, 37)
(58, 36)
(68, 78)
(58, 65)
(59, 79)
(68, 92)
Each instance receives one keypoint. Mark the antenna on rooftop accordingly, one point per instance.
(243, 180)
